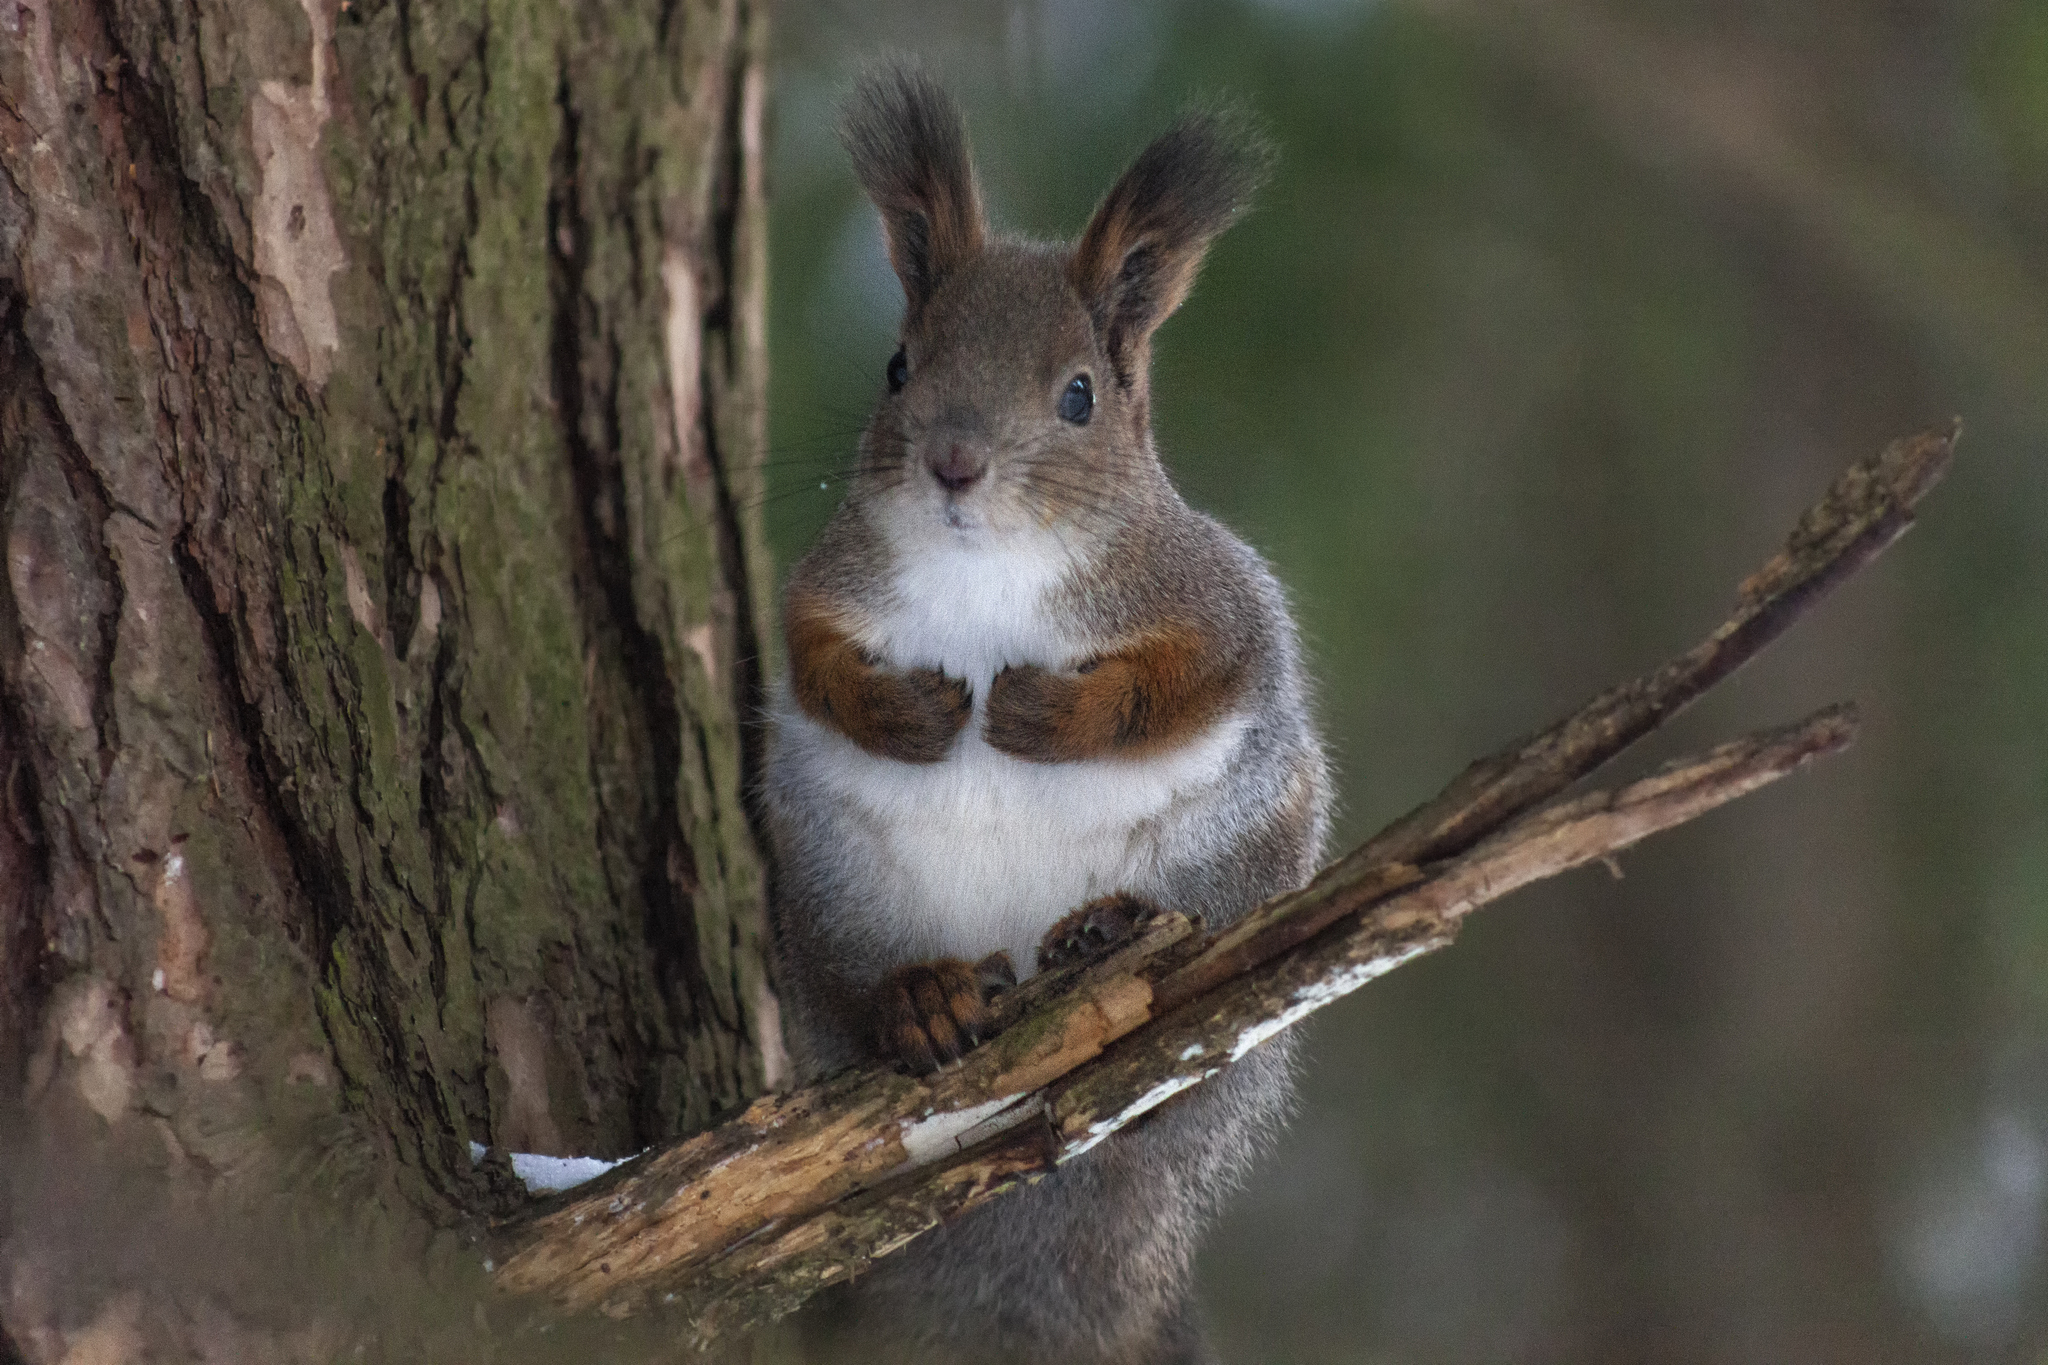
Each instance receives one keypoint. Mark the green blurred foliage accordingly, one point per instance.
(1553, 319)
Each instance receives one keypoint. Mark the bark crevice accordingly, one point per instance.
(584, 371)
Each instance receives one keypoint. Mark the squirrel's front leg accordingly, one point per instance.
(910, 715)
(1151, 695)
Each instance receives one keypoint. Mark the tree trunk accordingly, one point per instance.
(380, 417)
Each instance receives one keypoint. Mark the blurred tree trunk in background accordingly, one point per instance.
(380, 418)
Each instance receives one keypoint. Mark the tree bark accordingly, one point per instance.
(380, 418)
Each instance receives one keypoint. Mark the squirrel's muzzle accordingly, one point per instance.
(956, 464)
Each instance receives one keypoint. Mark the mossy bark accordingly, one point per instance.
(380, 417)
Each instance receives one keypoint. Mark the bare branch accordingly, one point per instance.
(1224, 1022)
(741, 1223)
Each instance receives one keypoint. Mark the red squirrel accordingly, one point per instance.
(1030, 694)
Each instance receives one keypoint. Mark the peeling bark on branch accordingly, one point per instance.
(740, 1224)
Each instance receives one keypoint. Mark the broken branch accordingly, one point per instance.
(739, 1224)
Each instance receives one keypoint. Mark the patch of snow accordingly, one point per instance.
(1315, 995)
(547, 1174)
(1150, 1100)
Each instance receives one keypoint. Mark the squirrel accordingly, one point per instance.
(1030, 695)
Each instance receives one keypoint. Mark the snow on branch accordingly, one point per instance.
(739, 1224)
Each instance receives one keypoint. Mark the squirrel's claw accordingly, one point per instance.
(1094, 929)
(933, 1013)
(996, 972)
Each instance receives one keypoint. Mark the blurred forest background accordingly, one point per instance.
(1554, 318)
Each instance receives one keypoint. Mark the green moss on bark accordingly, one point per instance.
(477, 619)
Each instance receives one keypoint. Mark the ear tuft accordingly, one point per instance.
(908, 143)
(1138, 257)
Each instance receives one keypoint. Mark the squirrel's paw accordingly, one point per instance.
(936, 711)
(932, 1013)
(910, 716)
(1032, 714)
(1094, 929)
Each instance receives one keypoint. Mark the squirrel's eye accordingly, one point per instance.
(899, 371)
(1078, 401)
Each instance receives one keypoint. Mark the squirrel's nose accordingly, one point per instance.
(956, 466)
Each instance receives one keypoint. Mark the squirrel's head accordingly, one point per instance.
(1019, 397)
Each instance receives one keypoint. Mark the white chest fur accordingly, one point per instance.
(972, 610)
(984, 851)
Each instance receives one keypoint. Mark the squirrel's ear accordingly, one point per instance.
(1138, 257)
(909, 149)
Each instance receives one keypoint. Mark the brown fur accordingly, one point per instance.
(1143, 699)
(910, 715)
